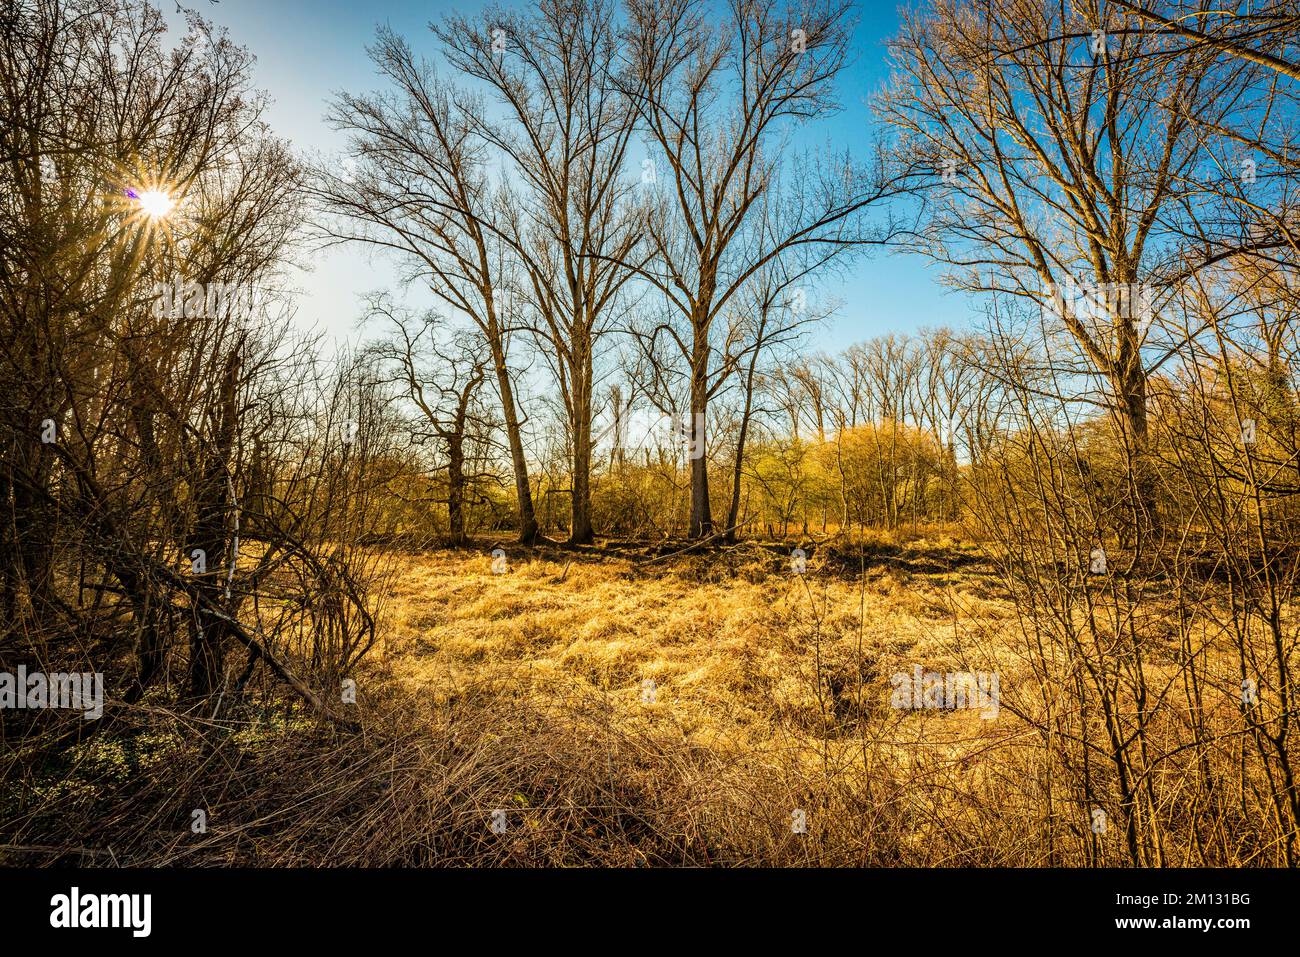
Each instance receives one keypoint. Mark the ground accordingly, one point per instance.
(717, 656)
(722, 645)
(621, 706)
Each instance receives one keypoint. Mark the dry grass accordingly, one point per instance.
(527, 692)
(733, 644)
(723, 690)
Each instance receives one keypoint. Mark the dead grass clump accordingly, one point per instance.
(562, 783)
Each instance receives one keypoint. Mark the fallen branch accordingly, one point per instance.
(278, 667)
(693, 545)
(206, 605)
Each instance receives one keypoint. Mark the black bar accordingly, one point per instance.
(336, 908)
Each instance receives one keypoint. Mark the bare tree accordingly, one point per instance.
(1065, 151)
(719, 101)
(149, 214)
(765, 318)
(440, 372)
(421, 186)
(571, 222)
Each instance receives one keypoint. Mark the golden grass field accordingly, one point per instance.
(732, 643)
(682, 710)
(770, 693)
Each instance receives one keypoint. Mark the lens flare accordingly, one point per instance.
(155, 203)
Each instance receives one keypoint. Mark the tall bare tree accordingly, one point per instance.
(720, 101)
(440, 372)
(571, 220)
(422, 185)
(765, 317)
(1055, 151)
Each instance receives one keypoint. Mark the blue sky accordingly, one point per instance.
(308, 49)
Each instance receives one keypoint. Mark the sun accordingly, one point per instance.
(155, 203)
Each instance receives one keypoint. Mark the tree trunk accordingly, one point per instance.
(456, 489)
(31, 526)
(212, 506)
(701, 515)
(580, 531)
(523, 491)
(1130, 382)
(733, 512)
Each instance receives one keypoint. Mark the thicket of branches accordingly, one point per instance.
(185, 484)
